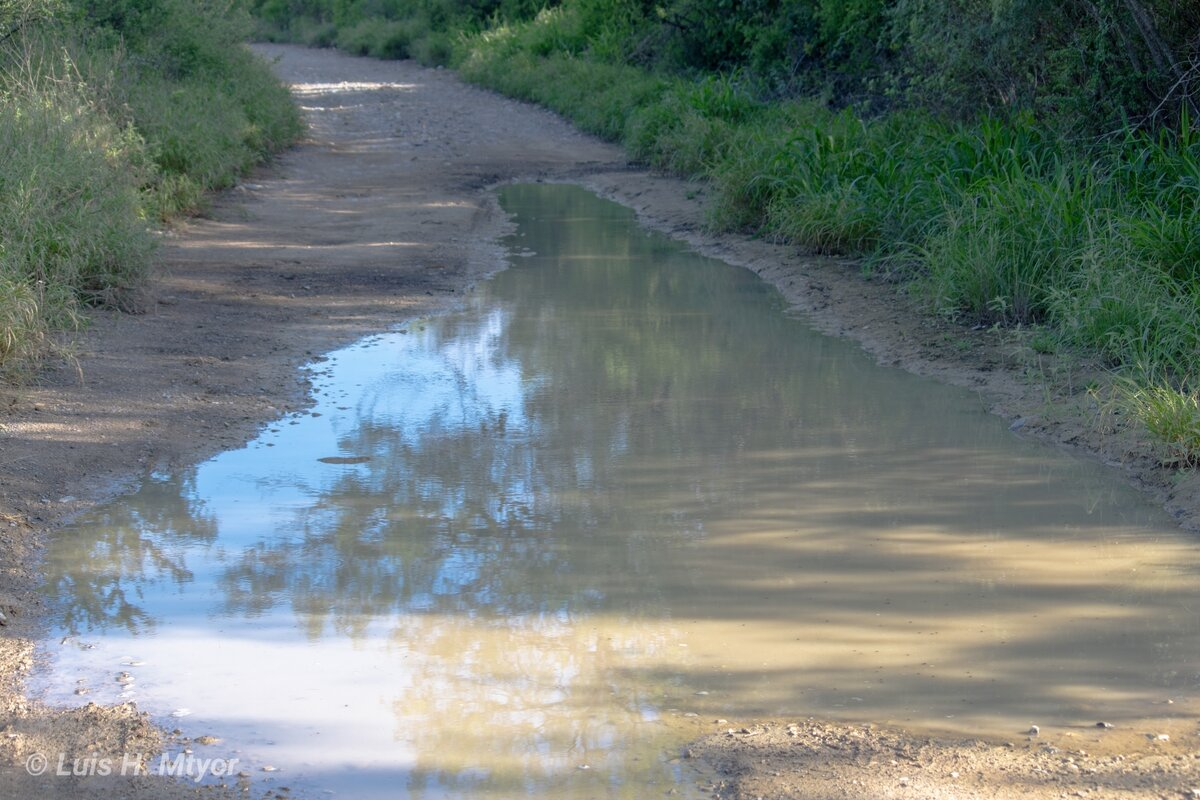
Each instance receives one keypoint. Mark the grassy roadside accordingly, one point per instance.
(114, 117)
(1043, 208)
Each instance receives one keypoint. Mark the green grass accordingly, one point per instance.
(105, 132)
(70, 215)
(1171, 415)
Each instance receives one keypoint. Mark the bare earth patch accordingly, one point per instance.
(383, 215)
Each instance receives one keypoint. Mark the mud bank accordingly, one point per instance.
(381, 216)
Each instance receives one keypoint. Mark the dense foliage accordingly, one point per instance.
(115, 114)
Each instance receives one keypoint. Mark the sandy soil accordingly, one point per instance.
(383, 215)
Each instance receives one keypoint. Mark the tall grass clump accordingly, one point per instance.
(1001, 252)
(71, 226)
(1169, 412)
(113, 116)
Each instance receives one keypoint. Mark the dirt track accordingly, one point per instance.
(380, 216)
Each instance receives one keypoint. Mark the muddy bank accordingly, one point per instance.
(381, 216)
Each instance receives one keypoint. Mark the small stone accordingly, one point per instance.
(954, 774)
(269, 768)
(207, 739)
(1034, 730)
(1103, 724)
(82, 690)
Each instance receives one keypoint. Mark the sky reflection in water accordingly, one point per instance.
(618, 496)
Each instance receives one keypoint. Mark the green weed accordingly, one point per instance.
(1171, 415)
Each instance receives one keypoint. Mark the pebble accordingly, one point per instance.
(1103, 724)
(1034, 730)
(269, 768)
(207, 739)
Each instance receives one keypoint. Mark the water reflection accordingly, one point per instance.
(621, 488)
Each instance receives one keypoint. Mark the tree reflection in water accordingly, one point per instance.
(616, 450)
(97, 572)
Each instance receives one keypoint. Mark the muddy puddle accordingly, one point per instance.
(535, 547)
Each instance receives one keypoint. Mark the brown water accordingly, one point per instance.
(622, 494)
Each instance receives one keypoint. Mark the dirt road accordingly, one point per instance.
(383, 215)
